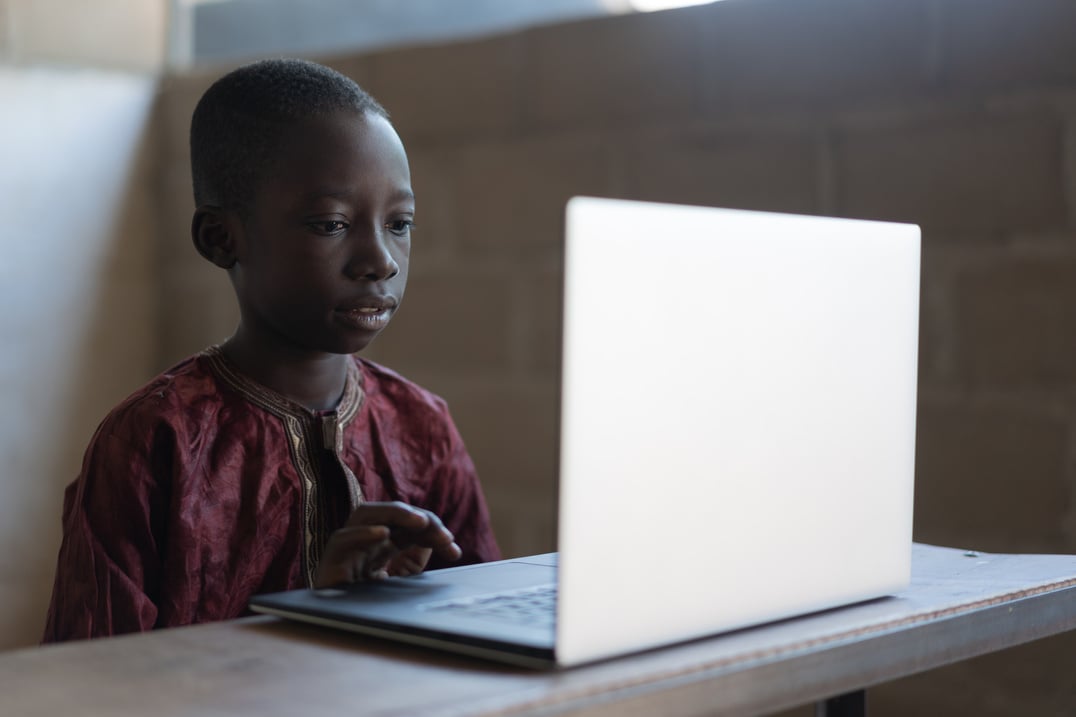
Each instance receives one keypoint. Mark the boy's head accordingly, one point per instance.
(303, 194)
(243, 115)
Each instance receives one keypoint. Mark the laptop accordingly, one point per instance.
(737, 440)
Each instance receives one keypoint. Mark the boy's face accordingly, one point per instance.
(322, 259)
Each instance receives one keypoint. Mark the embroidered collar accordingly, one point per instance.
(279, 404)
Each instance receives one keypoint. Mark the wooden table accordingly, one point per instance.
(959, 605)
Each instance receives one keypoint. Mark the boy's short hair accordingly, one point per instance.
(243, 114)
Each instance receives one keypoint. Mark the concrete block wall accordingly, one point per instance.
(77, 276)
(106, 34)
(958, 115)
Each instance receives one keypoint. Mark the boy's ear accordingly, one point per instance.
(214, 233)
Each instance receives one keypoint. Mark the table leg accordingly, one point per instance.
(853, 704)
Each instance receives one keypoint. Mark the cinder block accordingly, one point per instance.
(129, 34)
(1014, 321)
(525, 529)
(616, 71)
(746, 170)
(542, 320)
(1001, 43)
(435, 211)
(765, 53)
(131, 256)
(465, 89)
(123, 336)
(991, 477)
(176, 203)
(936, 341)
(511, 432)
(970, 174)
(1070, 168)
(452, 322)
(25, 601)
(197, 308)
(176, 100)
(510, 196)
(357, 67)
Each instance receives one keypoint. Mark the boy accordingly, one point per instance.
(276, 460)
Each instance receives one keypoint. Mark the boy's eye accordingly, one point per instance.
(401, 227)
(328, 227)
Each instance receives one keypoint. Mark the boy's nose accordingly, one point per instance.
(371, 258)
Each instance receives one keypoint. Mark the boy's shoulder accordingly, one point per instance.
(383, 385)
(178, 394)
(387, 393)
(191, 377)
(397, 409)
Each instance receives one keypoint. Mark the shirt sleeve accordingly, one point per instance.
(456, 496)
(108, 567)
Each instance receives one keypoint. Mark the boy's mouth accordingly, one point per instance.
(372, 317)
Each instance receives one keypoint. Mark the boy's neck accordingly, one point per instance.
(312, 380)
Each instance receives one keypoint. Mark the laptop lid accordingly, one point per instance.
(738, 419)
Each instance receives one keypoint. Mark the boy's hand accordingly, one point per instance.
(381, 539)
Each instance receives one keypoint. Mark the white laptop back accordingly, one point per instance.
(738, 420)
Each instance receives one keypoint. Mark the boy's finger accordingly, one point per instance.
(451, 551)
(360, 537)
(410, 561)
(393, 514)
(440, 538)
(410, 526)
(353, 554)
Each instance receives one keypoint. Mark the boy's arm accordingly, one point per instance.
(108, 566)
(455, 494)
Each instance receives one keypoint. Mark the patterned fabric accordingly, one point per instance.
(204, 488)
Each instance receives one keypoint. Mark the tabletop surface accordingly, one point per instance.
(959, 605)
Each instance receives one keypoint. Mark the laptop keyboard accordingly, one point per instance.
(528, 606)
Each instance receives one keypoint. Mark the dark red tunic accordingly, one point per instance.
(204, 488)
